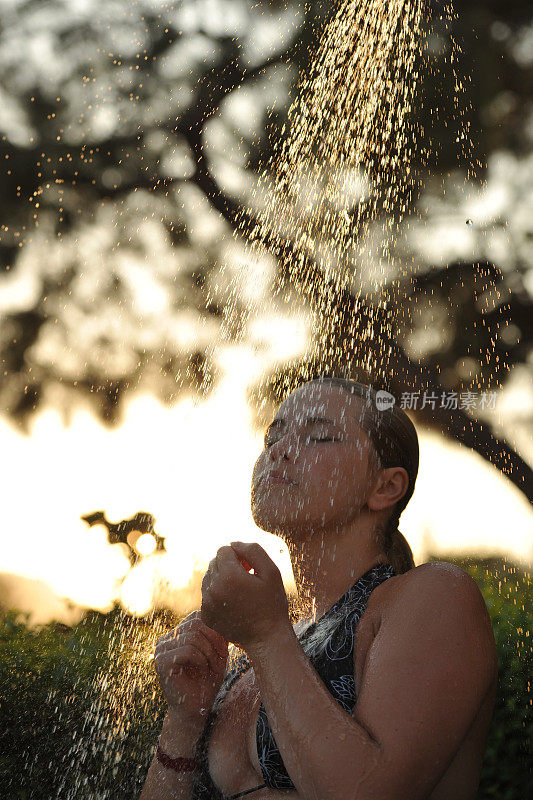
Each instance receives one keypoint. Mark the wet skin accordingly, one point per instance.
(428, 702)
(425, 664)
(328, 518)
(425, 658)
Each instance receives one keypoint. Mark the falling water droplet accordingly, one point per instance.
(470, 223)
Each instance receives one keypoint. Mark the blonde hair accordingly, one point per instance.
(395, 444)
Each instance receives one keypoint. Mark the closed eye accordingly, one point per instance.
(326, 439)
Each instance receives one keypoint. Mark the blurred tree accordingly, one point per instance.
(131, 139)
(121, 532)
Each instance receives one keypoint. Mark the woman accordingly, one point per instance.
(389, 692)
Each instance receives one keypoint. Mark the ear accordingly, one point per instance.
(391, 485)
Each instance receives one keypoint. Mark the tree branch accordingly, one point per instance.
(456, 424)
(214, 87)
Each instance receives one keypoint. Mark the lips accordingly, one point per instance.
(278, 477)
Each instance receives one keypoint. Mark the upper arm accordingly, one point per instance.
(426, 673)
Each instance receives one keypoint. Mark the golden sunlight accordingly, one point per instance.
(190, 466)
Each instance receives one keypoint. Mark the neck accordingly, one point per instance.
(326, 563)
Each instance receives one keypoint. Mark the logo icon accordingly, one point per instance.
(384, 400)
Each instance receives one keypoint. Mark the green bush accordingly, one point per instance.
(507, 773)
(80, 707)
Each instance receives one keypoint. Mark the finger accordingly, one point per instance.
(206, 588)
(229, 559)
(210, 575)
(172, 674)
(170, 643)
(190, 617)
(213, 566)
(163, 641)
(172, 639)
(170, 661)
(200, 647)
(215, 663)
(245, 564)
(184, 622)
(255, 555)
(193, 635)
(174, 634)
(219, 642)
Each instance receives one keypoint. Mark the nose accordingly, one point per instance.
(283, 449)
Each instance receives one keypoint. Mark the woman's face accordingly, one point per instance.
(315, 443)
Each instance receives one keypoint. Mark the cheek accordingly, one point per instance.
(258, 466)
(334, 474)
(329, 464)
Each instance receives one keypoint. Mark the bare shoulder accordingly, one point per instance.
(426, 582)
(443, 597)
(426, 687)
(441, 576)
(439, 581)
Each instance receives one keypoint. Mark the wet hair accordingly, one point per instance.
(395, 444)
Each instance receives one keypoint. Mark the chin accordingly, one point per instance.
(265, 518)
(272, 519)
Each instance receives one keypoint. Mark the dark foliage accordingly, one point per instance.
(81, 709)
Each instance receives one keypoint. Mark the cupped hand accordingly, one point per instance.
(242, 607)
(190, 663)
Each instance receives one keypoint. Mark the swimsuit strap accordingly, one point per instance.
(333, 662)
(246, 791)
(337, 657)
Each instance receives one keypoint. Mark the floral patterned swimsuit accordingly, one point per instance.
(334, 664)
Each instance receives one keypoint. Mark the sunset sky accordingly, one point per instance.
(190, 466)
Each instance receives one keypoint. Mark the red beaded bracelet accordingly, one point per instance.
(177, 764)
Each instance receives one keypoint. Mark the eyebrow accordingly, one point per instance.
(278, 423)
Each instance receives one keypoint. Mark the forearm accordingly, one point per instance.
(327, 754)
(177, 739)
